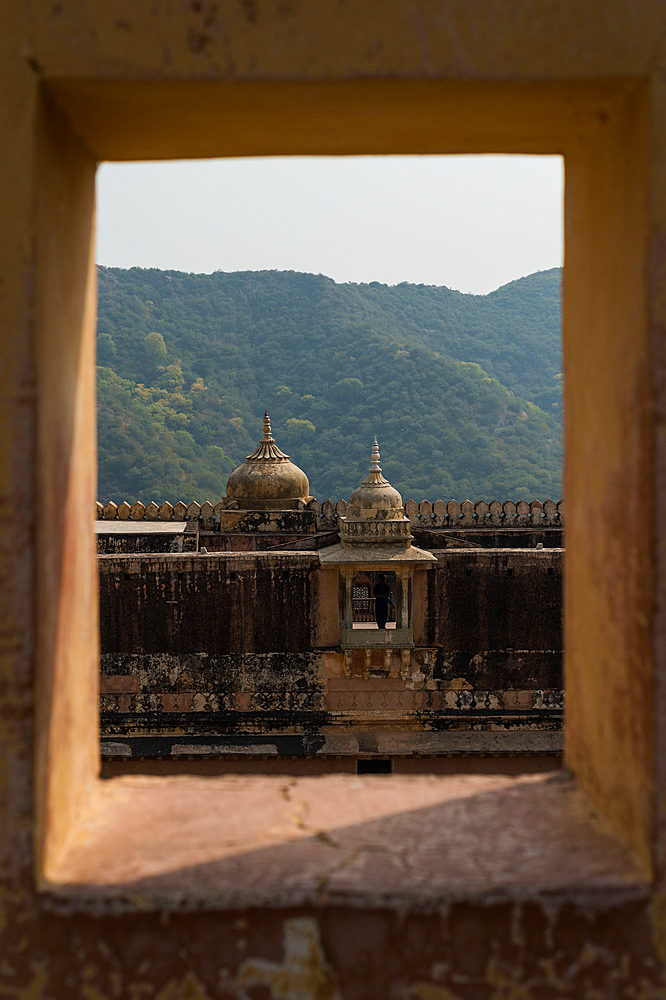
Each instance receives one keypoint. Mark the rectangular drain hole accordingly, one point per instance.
(373, 766)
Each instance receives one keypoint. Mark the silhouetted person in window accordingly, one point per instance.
(382, 600)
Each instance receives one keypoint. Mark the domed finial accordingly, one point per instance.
(268, 480)
(268, 434)
(375, 466)
(375, 477)
(267, 450)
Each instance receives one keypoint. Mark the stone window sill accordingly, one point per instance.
(377, 639)
(417, 841)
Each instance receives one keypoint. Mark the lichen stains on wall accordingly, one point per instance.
(310, 688)
(499, 669)
(237, 683)
(303, 973)
(503, 951)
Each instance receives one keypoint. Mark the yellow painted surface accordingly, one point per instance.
(609, 411)
(139, 80)
(67, 621)
(597, 124)
(330, 39)
(303, 971)
(193, 118)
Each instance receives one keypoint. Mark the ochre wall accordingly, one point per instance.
(325, 608)
(338, 888)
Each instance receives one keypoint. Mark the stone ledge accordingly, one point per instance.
(401, 841)
(330, 741)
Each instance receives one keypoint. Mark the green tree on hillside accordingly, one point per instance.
(155, 348)
(464, 391)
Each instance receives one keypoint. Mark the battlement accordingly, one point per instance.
(440, 514)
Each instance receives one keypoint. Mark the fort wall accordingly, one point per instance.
(235, 603)
(233, 644)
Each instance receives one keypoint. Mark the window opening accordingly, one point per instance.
(364, 606)
(400, 643)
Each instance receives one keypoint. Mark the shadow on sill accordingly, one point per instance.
(419, 841)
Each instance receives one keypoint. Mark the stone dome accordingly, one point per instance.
(374, 513)
(374, 530)
(268, 480)
(375, 498)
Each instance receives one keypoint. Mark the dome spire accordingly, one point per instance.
(375, 477)
(375, 513)
(267, 450)
(268, 433)
(375, 456)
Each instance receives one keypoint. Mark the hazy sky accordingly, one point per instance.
(469, 222)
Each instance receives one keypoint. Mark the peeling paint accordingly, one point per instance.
(303, 974)
(34, 990)
(189, 988)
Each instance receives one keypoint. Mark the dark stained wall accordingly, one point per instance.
(476, 600)
(227, 603)
(490, 599)
(497, 616)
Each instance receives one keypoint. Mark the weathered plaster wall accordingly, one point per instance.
(484, 599)
(325, 599)
(229, 603)
(472, 600)
(229, 644)
(281, 690)
(115, 544)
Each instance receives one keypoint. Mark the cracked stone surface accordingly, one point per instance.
(366, 840)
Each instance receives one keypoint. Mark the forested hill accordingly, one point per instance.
(463, 391)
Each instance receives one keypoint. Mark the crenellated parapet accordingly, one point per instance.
(485, 515)
(207, 514)
(426, 515)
